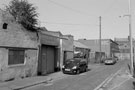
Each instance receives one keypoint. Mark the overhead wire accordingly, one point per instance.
(69, 8)
(110, 7)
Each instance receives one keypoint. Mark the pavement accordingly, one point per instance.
(121, 81)
(126, 85)
(18, 84)
(28, 82)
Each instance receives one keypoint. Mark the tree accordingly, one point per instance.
(24, 13)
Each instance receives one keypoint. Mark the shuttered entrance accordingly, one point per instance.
(47, 59)
(50, 59)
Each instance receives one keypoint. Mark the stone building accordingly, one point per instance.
(18, 49)
(24, 53)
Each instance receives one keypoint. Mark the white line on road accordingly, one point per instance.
(107, 79)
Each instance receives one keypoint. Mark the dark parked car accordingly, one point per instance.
(110, 61)
(75, 66)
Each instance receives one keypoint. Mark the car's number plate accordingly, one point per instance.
(67, 69)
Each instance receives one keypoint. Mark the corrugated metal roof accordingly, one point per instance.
(80, 45)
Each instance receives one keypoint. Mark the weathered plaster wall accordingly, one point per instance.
(16, 36)
(18, 71)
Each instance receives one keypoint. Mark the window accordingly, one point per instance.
(16, 56)
(5, 26)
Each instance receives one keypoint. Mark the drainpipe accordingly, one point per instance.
(61, 53)
(38, 51)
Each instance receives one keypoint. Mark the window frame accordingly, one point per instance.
(19, 64)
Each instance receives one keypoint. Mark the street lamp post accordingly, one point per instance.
(130, 39)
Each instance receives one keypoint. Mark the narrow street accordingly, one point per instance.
(84, 81)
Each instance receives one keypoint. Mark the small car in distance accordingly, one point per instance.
(110, 61)
(74, 66)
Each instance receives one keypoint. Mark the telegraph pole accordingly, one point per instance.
(100, 36)
(131, 40)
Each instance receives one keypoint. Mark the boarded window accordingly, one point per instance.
(16, 56)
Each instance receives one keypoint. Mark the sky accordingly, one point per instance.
(80, 18)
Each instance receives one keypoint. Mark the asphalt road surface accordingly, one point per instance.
(84, 81)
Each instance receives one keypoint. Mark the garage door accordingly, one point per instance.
(50, 59)
(47, 60)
